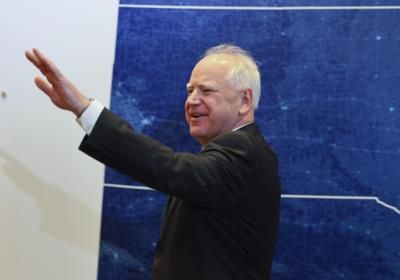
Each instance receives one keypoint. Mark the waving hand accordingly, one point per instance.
(56, 86)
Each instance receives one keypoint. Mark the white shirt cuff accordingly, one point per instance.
(89, 117)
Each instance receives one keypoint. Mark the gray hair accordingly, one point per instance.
(245, 74)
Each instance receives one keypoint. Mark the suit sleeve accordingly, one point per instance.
(214, 177)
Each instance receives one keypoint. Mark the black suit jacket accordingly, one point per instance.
(222, 216)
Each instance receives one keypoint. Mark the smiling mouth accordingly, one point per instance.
(197, 116)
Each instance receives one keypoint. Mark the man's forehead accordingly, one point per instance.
(201, 83)
(212, 68)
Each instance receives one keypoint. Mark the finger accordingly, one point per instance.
(46, 64)
(32, 58)
(44, 86)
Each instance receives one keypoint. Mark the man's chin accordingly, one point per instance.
(198, 135)
(195, 134)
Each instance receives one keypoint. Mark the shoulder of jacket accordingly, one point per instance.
(234, 139)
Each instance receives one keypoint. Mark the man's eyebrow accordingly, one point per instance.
(209, 85)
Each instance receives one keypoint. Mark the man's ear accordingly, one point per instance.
(246, 101)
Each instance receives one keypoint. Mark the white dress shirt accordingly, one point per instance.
(89, 117)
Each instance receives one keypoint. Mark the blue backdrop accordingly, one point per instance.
(330, 107)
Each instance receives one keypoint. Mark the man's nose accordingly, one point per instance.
(194, 97)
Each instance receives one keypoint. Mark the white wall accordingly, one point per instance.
(50, 193)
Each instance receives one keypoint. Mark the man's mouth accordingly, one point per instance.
(197, 116)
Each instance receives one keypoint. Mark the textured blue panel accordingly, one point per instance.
(129, 233)
(330, 108)
(271, 3)
(333, 239)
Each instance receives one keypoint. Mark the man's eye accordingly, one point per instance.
(208, 90)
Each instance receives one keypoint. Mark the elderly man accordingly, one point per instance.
(222, 216)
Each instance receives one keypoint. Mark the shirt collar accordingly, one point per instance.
(241, 126)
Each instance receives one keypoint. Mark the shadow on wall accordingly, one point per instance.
(63, 216)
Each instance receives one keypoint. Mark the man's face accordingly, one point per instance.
(212, 105)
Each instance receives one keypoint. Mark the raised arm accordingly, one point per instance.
(56, 86)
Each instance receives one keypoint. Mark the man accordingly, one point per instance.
(222, 215)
